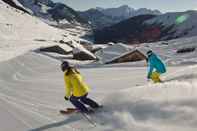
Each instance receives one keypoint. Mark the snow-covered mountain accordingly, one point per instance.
(15, 4)
(97, 19)
(126, 12)
(101, 17)
(21, 32)
(160, 27)
(182, 24)
(50, 12)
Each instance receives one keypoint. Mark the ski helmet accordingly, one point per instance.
(149, 53)
(65, 65)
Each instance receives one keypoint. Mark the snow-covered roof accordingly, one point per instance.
(113, 51)
(20, 32)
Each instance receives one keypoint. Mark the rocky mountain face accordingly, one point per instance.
(126, 12)
(49, 11)
(150, 28)
(100, 17)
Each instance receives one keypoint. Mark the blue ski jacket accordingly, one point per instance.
(155, 64)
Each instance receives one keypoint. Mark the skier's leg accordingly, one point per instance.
(155, 76)
(75, 101)
(158, 77)
(89, 101)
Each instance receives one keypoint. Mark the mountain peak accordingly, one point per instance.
(57, 14)
(99, 8)
(126, 11)
(103, 17)
(124, 6)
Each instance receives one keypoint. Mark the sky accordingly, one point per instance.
(162, 5)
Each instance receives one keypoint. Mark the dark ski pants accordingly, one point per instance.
(79, 102)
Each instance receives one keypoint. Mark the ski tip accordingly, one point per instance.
(65, 112)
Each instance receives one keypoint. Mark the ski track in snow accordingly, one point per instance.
(32, 91)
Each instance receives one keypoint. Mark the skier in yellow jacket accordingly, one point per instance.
(76, 89)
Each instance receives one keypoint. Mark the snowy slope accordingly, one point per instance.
(20, 32)
(32, 86)
(20, 26)
(32, 91)
(32, 94)
(168, 51)
(52, 13)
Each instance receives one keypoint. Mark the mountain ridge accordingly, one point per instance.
(111, 16)
(50, 12)
(161, 27)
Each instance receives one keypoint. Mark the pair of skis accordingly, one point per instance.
(69, 111)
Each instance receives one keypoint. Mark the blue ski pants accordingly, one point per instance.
(79, 102)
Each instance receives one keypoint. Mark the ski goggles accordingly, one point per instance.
(149, 53)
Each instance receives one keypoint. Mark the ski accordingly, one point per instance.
(87, 116)
(89, 119)
(69, 111)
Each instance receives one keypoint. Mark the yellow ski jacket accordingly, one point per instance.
(74, 84)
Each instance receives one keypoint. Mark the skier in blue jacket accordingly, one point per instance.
(156, 67)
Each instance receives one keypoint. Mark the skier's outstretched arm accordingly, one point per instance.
(67, 87)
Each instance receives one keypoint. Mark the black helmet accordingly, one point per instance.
(149, 53)
(65, 65)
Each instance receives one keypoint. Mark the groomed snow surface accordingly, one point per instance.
(32, 86)
(32, 91)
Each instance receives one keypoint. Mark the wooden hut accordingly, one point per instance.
(131, 56)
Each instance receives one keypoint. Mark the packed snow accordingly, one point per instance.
(32, 91)
(32, 86)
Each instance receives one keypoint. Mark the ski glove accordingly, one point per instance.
(66, 98)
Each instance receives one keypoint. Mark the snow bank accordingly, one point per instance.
(155, 107)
